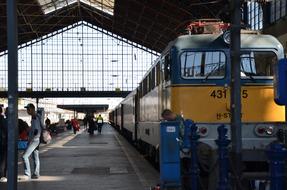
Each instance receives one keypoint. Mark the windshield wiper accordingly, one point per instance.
(214, 68)
(248, 75)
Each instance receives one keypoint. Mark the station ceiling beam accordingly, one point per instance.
(85, 108)
(63, 94)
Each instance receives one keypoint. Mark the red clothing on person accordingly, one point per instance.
(23, 135)
(75, 124)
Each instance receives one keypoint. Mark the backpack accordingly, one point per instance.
(45, 137)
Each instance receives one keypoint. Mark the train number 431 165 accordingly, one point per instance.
(222, 94)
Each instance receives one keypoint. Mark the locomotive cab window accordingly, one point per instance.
(203, 65)
(257, 64)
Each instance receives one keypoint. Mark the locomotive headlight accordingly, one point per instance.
(269, 130)
(260, 130)
(265, 130)
(226, 36)
(203, 131)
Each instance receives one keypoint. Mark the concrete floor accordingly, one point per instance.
(82, 162)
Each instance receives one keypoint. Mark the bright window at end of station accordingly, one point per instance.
(49, 6)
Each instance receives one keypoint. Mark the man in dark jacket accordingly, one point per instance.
(3, 147)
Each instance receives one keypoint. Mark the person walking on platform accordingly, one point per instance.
(75, 125)
(33, 144)
(92, 124)
(47, 123)
(85, 121)
(69, 125)
(100, 123)
(3, 147)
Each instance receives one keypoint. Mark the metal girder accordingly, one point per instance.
(138, 21)
(155, 9)
(151, 26)
(277, 29)
(126, 34)
(122, 31)
(85, 108)
(72, 8)
(28, 23)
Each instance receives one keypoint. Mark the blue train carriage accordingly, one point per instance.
(192, 78)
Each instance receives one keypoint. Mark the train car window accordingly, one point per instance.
(162, 70)
(141, 90)
(157, 74)
(152, 79)
(167, 67)
(149, 82)
(198, 65)
(257, 64)
(145, 86)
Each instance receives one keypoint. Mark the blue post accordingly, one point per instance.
(222, 143)
(186, 144)
(276, 153)
(169, 155)
(191, 133)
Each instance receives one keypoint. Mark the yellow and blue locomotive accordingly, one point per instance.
(192, 78)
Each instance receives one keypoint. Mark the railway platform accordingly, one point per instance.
(103, 161)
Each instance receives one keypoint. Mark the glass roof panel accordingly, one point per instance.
(49, 6)
(106, 6)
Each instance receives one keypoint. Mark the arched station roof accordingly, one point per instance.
(151, 23)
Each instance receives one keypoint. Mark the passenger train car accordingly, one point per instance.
(192, 78)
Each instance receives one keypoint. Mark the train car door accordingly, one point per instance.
(158, 86)
(122, 117)
(137, 112)
(135, 116)
(166, 71)
(116, 117)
